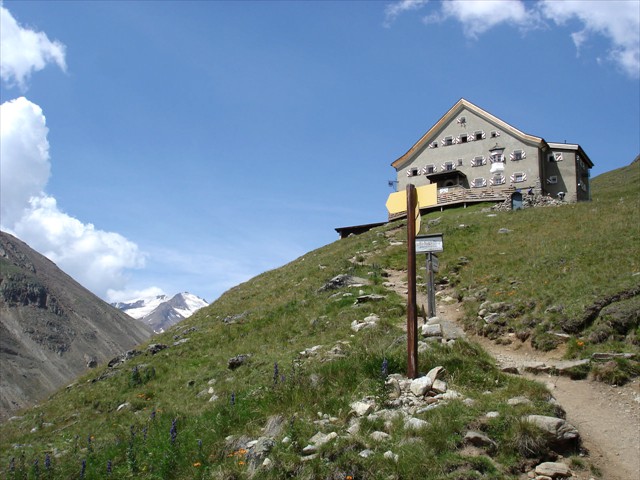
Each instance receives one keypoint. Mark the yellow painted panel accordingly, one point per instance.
(397, 202)
(427, 197)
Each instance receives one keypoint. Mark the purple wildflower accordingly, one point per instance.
(385, 368)
(174, 431)
(275, 373)
(36, 468)
(47, 462)
(153, 415)
(108, 468)
(233, 398)
(144, 434)
(83, 468)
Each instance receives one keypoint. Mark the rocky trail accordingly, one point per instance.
(608, 417)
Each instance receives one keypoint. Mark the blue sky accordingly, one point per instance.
(188, 146)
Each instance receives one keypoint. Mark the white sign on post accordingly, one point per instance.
(430, 243)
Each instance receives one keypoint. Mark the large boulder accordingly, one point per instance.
(560, 434)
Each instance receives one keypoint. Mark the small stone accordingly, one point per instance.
(553, 470)
(361, 408)
(519, 401)
(267, 463)
(320, 438)
(379, 436)
(420, 386)
(439, 386)
(434, 372)
(413, 423)
(389, 455)
(366, 453)
(434, 330)
(478, 439)
(123, 406)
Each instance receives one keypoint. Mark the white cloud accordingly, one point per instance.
(130, 295)
(95, 258)
(617, 21)
(393, 10)
(25, 51)
(479, 16)
(23, 148)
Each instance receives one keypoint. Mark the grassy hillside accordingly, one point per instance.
(183, 413)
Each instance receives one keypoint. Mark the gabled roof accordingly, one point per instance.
(451, 115)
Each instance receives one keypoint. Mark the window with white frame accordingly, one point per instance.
(464, 138)
(460, 162)
(518, 177)
(447, 140)
(479, 182)
(462, 120)
(495, 134)
(498, 179)
(429, 169)
(478, 161)
(555, 157)
(496, 157)
(478, 135)
(553, 179)
(433, 144)
(446, 166)
(518, 155)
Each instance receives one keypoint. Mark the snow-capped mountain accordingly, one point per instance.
(160, 311)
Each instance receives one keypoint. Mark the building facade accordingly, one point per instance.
(473, 156)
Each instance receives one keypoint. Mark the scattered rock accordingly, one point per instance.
(560, 434)
(420, 386)
(379, 436)
(155, 348)
(237, 361)
(361, 408)
(478, 439)
(373, 297)
(343, 280)
(553, 470)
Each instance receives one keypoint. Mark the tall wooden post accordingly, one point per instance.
(412, 310)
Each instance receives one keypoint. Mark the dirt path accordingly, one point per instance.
(607, 417)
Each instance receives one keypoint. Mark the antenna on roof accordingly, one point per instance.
(393, 184)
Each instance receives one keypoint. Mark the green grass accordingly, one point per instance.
(569, 256)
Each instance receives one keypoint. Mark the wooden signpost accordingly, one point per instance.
(412, 310)
(428, 244)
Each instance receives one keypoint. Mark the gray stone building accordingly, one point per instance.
(473, 156)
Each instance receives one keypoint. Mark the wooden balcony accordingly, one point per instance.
(460, 195)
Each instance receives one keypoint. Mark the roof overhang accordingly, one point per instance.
(571, 146)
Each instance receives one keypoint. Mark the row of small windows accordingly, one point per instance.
(476, 161)
(464, 138)
(499, 179)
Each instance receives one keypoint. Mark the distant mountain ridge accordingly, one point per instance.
(51, 328)
(160, 311)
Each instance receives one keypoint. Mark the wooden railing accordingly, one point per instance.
(459, 194)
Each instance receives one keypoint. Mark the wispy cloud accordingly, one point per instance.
(393, 10)
(616, 21)
(25, 51)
